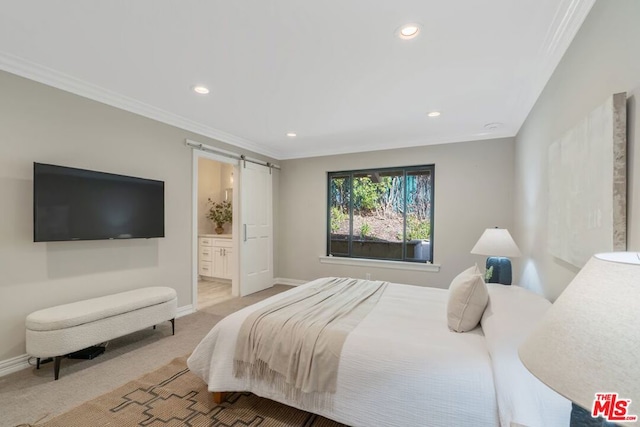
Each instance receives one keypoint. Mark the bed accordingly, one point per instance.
(403, 366)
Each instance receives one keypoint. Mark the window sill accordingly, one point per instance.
(379, 263)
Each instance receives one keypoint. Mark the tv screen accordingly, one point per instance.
(78, 204)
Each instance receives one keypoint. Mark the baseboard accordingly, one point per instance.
(185, 310)
(19, 363)
(290, 282)
(14, 364)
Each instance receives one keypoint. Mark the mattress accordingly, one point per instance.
(401, 366)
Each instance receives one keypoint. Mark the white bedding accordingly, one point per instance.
(401, 366)
(522, 398)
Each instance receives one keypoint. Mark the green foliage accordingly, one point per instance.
(220, 213)
(365, 229)
(338, 216)
(488, 274)
(417, 229)
(367, 195)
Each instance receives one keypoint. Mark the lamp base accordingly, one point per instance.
(580, 417)
(501, 270)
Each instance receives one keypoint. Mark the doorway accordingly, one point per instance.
(245, 258)
(215, 210)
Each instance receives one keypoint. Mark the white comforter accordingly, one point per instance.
(401, 366)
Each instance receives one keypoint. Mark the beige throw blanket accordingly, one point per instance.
(296, 342)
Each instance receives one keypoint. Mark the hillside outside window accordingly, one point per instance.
(381, 214)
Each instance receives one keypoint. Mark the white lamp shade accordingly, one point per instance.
(588, 342)
(496, 242)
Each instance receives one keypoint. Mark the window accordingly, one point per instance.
(381, 214)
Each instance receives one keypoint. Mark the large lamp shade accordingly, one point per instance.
(588, 342)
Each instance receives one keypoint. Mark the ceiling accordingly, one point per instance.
(332, 71)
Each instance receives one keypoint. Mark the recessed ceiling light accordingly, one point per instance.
(493, 126)
(408, 31)
(202, 90)
(292, 134)
(434, 114)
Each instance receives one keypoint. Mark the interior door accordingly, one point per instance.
(256, 228)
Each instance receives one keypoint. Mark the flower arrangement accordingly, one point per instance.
(220, 213)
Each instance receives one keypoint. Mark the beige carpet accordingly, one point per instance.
(173, 396)
(30, 396)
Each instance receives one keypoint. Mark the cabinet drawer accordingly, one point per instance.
(205, 253)
(204, 268)
(223, 243)
(206, 241)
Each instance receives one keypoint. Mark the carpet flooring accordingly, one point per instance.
(31, 396)
(173, 396)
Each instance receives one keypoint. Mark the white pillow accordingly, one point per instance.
(468, 297)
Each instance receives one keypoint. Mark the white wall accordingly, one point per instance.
(208, 187)
(213, 179)
(604, 58)
(42, 124)
(473, 191)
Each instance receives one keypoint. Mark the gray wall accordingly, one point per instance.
(604, 58)
(42, 124)
(473, 191)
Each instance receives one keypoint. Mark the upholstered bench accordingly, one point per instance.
(58, 331)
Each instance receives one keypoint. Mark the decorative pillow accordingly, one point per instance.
(468, 297)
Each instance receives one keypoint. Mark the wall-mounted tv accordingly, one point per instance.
(78, 204)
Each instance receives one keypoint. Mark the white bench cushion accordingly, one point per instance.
(78, 313)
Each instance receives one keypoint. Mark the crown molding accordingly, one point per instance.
(568, 18)
(419, 142)
(50, 77)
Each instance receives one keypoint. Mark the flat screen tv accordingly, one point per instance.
(78, 204)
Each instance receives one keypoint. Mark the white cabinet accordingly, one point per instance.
(215, 257)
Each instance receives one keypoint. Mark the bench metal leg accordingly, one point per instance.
(173, 326)
(56, 367)
(41, 361)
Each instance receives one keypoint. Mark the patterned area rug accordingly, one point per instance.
(173, 396)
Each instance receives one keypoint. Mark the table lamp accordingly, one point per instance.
(586, 345)
(498, 244)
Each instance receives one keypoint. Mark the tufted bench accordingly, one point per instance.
(58, 331)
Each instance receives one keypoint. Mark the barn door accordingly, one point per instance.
(256, 228)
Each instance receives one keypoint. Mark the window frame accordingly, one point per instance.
(405, 170)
